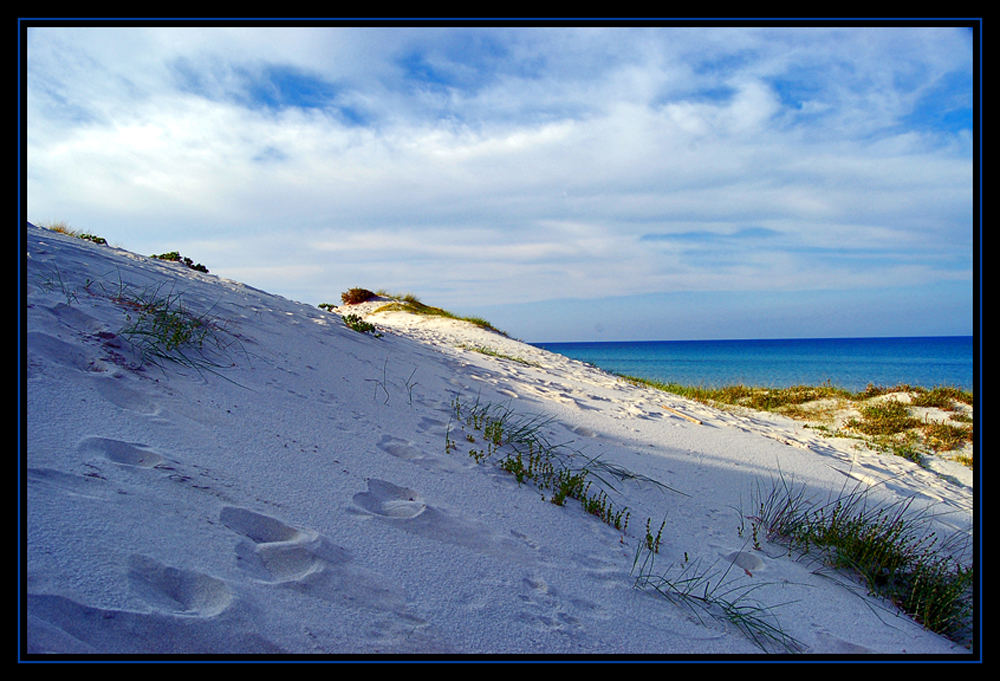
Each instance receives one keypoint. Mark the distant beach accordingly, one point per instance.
(849, 363)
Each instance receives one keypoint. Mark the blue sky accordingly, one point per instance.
(567, 183)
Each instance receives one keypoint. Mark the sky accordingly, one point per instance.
(566, 183)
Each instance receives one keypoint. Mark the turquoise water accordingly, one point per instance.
(850, 363)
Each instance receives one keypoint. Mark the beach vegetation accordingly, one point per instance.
(54, 281)
(161, 328)
(63, 228)
(943, 437)
(413, 306)
(403, 297)
(890, 547)
(886, 417)
(484, 350)
(356, 295)
(717, 594)
(174, 256)
(520, 448)
(355, 322)
(881, 417)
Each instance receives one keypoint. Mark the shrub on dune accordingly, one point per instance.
(356, 295)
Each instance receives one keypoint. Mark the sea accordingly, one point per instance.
(849, 363)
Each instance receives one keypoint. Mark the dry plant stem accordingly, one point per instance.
(716, 596)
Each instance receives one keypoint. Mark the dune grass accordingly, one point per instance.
(161, 328)
(361, 326)
(519, 447)
(884, 423)
(483, 350)
(890, 547)
(522, 450)
(410, 303)
(63, 228)
(174, 256)
(715, 593)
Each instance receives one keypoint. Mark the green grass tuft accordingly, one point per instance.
(174, 256)
(890, 547)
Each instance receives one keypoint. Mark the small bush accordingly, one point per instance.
(361, 326)
(174, 256)
(356, 295)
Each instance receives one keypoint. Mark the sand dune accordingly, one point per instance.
(295, 487)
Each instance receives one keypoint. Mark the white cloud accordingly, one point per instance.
(515, 163)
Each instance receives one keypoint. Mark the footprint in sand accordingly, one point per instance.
(432, 425)
(750, 562)
(91, 486)
(126, 453)
(543, 609)
(57, 351)
(828, 643)
(390, 501)
(406, 509)
(56, 624)
(115, 392)
(277, 553)
(408, 451)
(177, 591)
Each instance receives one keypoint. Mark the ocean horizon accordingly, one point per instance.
(849, 363)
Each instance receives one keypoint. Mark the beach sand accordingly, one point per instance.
(301, 488)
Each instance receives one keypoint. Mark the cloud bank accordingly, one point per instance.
(489, 166)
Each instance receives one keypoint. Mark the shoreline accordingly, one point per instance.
(847, 363)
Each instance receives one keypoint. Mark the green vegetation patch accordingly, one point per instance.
(361, 326)
(413, 306)
(887, 417)
(174, 256)
(63, 228)
(890, 547)
(887, 425)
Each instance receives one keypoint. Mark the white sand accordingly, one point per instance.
(300, 499)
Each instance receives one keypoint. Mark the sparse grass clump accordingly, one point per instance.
(942, 397)
(716, 594)
(944, 437)
(483, 350)
(63, 228)
(174, 256)
(530, 458)
(890, 547)
(161, 328)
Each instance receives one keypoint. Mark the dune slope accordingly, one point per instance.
(209, 468)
